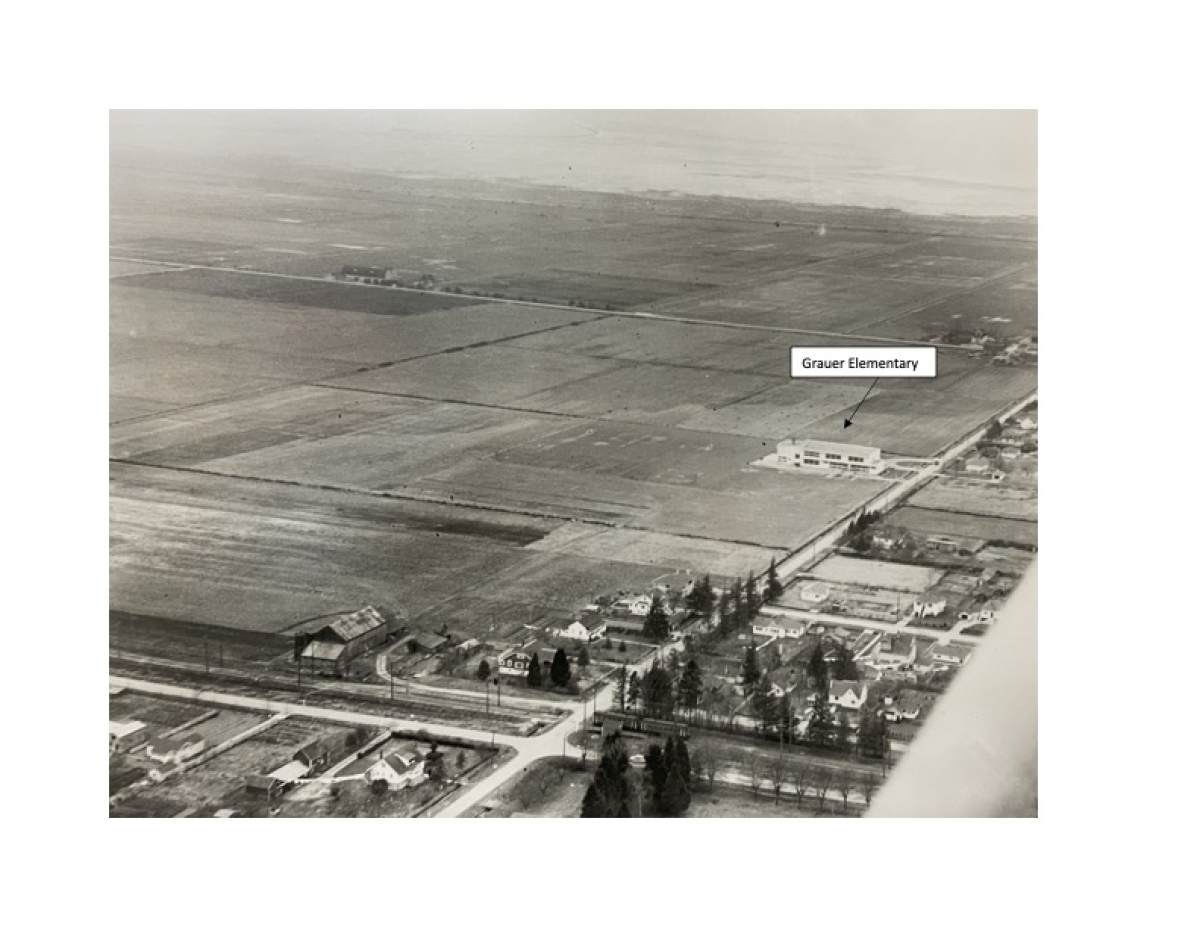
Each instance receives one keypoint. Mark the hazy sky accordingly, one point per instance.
(975, 162)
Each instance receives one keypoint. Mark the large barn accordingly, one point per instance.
(330, 649)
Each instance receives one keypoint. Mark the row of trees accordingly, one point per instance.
(671, 776)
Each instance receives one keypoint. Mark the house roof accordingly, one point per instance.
(950, 650)
(122, 728)
(839, 687)
(322, 650)
(355, 624)
(591, 620)
(428, 640)
(402, 760)
(289, 772)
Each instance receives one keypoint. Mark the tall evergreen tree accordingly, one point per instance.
(611, 791)
(593, 803)
(691, 683)
(619, 695)
(656, 627)
(633, 691)
(725, 613)
(844, 666)
(658, 697)
(753, 602)
(750, 670)
(674, 794)
(818, 670)
(560, 668)
(774, 588)
(534, 676)
(874, 739)
(737, 606)
(484, 671)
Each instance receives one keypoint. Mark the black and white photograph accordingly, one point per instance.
(572, 463)
(536, 463)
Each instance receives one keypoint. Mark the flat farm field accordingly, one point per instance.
(997, 530)
(285, 448)
(975, 497)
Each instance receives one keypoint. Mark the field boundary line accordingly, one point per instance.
(620, 313)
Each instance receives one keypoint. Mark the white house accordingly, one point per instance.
(778, 626)
(849, 695)
(928, 607)
(399, 770)
(586, 626)
(978, 464)
(814, 593)
(639, 605)
(951, 654)
(1027, 422)
(980, 616)
(906, 707)
(125, 735)
(175, 749)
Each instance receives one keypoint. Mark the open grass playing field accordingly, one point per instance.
(285, 448)
(999, 530)
(979, 498)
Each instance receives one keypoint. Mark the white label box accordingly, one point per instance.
(864, 362)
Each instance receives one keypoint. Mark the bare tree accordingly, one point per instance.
(778, 774)
(755, 772)
(716, 762)
(843, 785)
(821, 786)
(800, 775)
(870, 785)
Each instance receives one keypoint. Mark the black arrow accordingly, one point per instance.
(847, 422)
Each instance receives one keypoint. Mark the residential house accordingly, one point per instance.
(928, 606)
(977, 464)
(949, 654)
(589, 625)
(425, 642)
(321, 751)
(894, 651)
(515, 662)
(778, 626)
(783, 680)
(125, 735)
(399, 770)
(848, 694)
(907, 705)
(175, 749)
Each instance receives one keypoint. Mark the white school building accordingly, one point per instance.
(830, 455)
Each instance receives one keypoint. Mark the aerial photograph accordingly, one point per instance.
(557, 464)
